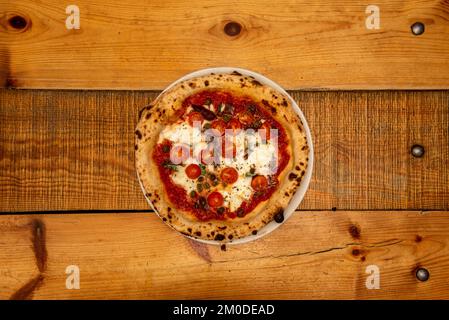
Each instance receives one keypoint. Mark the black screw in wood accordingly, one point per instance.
(418, 28)
(422, 274)
(232, 28)
(417, 151)
(17, 22)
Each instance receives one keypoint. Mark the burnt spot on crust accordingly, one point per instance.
(236, 73)
(230, 237)
(143, 109)
(305, 147)
(254, 232)
(189, 230)
(136, 147)
(198, 233)
(138, 134)
(286, 194)
(292, 176)
(273, 111)
(256, 83)
(206, 83)
(192, 85)
(279, 216)
(265, 103)
(223, 247)
(219, 237)
(284, 102)
(169, 209)
(164, 219)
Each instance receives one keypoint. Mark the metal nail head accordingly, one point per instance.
(417, 151)
(418, 28)
(422, 274)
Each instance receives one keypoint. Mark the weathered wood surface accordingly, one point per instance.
(73, 150)
(148, 44)
(313, 255)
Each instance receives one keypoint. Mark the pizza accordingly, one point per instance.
(220, 156)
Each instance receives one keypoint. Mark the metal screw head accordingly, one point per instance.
(418, 28)
(422, 274)
(417, 151)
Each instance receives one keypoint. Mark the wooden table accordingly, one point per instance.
(68, 188)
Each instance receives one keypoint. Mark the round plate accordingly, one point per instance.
(300, 192)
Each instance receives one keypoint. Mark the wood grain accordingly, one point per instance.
(300, 44)
(73, 150)
(313, 255)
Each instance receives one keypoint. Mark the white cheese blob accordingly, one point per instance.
(180, 178)
(181, 133)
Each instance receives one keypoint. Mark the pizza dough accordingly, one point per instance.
(186, 198)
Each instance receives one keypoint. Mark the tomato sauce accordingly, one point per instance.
(234, 105)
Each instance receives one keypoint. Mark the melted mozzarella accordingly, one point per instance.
(181, 133)
(180, 178)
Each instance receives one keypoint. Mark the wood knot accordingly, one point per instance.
(17, 22)
(354, 231)
(232, 28)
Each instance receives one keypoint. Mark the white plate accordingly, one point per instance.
(300, 192)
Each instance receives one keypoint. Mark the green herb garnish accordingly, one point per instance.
(192, 194)
(170, 166)
(203, 169)
(166, 148)
(227, 117)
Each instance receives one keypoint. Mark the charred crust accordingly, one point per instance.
(219, 237)
(138, 134)
(223, 247)
(236, 73)
(192, 85)
(198, 233)
(142, 110)
(292, 176)
(279, 216)
(256, 83)
(206, 83)
(230, 237)
(189, 230)
(273, 110)
(298, 168)
(254, 232)
(136, 147)
(284, 102)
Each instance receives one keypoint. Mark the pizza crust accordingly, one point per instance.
(165, 110)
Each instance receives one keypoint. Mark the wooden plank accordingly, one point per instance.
(313, 255)
(300, 44)
(73, 150)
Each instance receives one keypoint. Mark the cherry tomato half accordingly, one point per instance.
(207, 156)
(228, 149)
(264, 131)
(179, 153)
(235, 126)
(219, 125)
(259, 183)
(193, 171)
(229, 175)
(215, 199)
(195, 117)
(246, 118)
